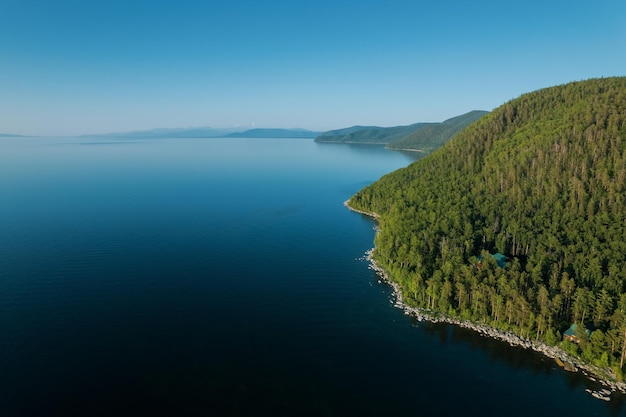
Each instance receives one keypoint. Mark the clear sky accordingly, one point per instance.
(92, 66)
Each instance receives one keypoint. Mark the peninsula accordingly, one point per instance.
(517, 225)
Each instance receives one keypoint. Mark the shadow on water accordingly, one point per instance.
(516, 357)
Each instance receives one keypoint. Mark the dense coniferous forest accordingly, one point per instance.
(542, 180)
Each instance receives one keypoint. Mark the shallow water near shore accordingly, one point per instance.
(198, 277)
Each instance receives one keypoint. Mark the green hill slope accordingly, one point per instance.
(275, 133)
(423, 137)
(372, 135)
(432, 135)
(541, 179)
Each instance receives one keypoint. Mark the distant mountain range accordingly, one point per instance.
(9, 135)
(419, 136)
(191, 132)
(208, 132)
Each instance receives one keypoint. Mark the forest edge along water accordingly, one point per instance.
(562, 358)
(504, 225)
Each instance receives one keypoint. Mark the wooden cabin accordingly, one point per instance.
(571, 335)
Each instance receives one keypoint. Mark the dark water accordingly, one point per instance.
(224, 277)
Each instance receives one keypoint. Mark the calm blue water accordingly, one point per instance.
(220, 277)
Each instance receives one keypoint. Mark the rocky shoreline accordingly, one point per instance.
(366, 213)
(564, 359)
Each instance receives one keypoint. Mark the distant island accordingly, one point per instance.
(423, 137)
(518, 224)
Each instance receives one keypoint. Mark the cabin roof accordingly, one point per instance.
(500, 259)
(571, 332)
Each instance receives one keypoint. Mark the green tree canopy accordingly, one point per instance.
(541, 179)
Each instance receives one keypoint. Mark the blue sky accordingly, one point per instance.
(90, 66)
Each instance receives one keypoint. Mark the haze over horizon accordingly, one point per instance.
(73, 67)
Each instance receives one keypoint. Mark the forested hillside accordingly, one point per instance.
(541, 179)
(424, 137)
(370, 135)
(433, 135)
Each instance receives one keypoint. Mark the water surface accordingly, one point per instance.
(224, 277)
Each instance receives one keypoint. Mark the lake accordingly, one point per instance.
(224, 277)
